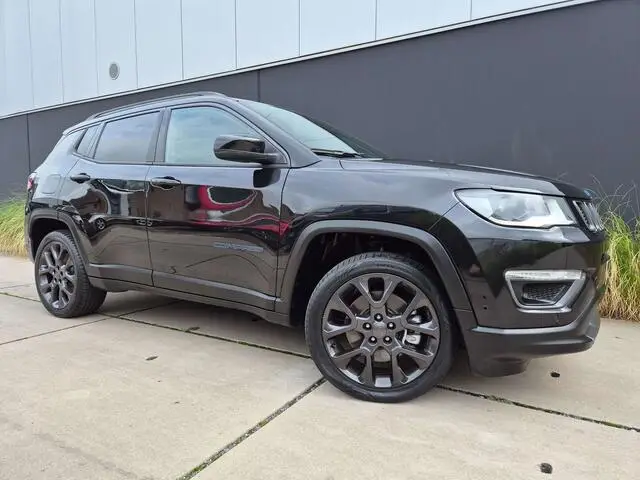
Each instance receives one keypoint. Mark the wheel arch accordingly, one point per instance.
(52, 219)
(441, 260)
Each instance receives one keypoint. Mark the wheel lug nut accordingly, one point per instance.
(391, 325)
(367, 326)
(387, 339)
(373, 339)
(378, 317)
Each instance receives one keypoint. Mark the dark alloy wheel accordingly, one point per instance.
(379, 329)
(57, 275)
(62, 282)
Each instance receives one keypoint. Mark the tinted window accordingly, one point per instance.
(127, 140)
(193, 131)
(85, 143)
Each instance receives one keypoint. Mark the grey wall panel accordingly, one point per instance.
(14, 157)
(554, 93)
(45, 127)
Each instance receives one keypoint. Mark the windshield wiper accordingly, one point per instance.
(336, 153)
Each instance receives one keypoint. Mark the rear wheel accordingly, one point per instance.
(378, 328)
(61, 279)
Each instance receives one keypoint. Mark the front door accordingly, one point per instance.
(214, 225)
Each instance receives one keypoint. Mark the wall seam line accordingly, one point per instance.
(299, 27)
(182, 38)
(375, 20)
(235, 31)
(61, 50)
(135, 40)
(95, 44)
(33, 93)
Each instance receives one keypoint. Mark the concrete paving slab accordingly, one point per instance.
(225, 323)
(15, 271)
(132, 400)
(20, 318)
(602, 383)
(443, 435)
(55, 459)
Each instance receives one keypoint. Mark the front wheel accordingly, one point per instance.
(61, 279)
(378, 328)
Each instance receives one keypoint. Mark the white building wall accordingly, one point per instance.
(17, 56)
(58, 51)
(46, 52)
(116, 43)
(78, 39)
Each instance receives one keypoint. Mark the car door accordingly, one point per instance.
(106, 192)
(214, 225)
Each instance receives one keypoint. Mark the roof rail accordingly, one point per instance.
(151, 101)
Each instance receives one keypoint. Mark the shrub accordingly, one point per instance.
(12, 228)
(622, 297)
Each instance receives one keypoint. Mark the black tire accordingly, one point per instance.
(85, 299)
(384, 264)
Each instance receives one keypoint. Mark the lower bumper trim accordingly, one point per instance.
(499, 352)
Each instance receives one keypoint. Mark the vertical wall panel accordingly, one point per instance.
(116, 42)
(46, 52)
(3, 71)
(158, 42)
(19, 92)
(14, 155)
(485, 8)
(209, 36)
(398, 17)
(267, 31)
(329, 24)
(79, 70)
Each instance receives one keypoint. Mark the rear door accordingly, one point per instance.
(214, 225)
(106, 196)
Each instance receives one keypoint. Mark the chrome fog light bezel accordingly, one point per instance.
(577, 277)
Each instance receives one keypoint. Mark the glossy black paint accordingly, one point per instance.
(236, 234)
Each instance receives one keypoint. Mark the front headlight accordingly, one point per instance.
(512, 209)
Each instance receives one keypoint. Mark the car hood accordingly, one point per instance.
(470, 176)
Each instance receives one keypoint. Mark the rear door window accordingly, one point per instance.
(128, 140)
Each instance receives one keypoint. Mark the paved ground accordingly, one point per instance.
(150, 388)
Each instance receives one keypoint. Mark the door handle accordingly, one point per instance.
(80, 177)
(165, 182)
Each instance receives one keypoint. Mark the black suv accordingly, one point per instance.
(389, 264)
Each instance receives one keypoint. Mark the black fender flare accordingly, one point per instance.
(61, 217)
(431, 245)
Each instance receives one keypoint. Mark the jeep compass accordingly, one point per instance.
(389, 264)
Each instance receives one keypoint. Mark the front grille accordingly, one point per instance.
(589, 215)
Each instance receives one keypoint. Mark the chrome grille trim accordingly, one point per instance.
(589, 215)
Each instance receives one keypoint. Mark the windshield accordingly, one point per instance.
(314, 134)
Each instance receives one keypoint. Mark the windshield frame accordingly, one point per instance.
(362, 149)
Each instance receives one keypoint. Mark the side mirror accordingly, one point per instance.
(243, 149)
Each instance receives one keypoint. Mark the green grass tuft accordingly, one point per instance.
(622, 297)
(12, 228)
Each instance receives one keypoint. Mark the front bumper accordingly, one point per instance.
(497, 352)
(500, 336)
